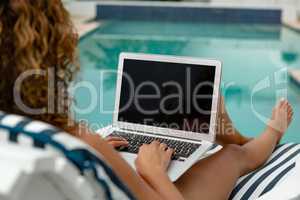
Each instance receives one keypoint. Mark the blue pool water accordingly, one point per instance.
(255, 62)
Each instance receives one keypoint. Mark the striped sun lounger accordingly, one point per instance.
(273, 172)
(26, 132)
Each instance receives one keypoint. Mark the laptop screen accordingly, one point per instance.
(167, 95)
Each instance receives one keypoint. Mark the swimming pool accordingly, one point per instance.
(255, 59)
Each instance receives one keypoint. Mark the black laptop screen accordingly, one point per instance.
(167, 95)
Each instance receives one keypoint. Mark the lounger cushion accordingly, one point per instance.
(27, 132)
(278, 167)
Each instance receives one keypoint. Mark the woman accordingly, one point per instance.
(39, 35)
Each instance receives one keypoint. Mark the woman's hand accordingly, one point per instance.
(153, 159)
(116, 141)
(152, 163)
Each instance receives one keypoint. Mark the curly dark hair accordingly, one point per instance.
(39, 35)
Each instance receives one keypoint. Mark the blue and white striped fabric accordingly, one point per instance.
(26, 132)
(279, 165)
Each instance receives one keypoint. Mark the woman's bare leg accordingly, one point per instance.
(213, 178)
(226, 132)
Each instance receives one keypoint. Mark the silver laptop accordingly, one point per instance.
(170, 99)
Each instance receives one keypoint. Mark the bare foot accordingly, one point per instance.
(281, 118)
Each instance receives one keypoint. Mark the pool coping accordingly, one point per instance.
(87, 28)
(85, 25)
(293, 25)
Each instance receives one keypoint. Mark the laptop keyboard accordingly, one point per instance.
(181, 149)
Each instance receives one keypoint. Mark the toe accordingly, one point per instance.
(285, 104)
(290, 115)
(281, 103)
(290, 108)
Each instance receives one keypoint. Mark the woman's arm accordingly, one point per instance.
(140, 188)
(152, 163)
